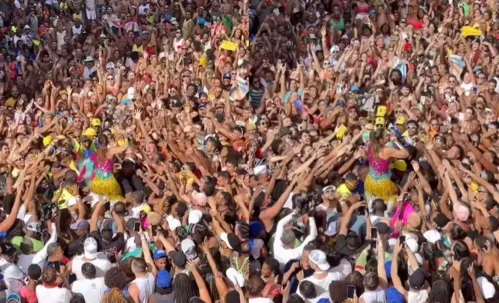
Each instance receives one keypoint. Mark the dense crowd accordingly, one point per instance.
(376, 123)
(249, 151)
(117, 154)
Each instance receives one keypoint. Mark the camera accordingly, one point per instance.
(306, 202)
(48, 210)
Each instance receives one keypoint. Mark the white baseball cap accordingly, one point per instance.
(319, 258)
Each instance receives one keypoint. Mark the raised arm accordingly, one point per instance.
(394, 271)
(147, 255)
(204, 294)
(271, 212)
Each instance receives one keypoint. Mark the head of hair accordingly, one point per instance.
(338, 291)
(379, 205)
(88, 270)
(307, 289)
(350, 177)
(357, 279)
(49, 275)
(114, 296)
(209, 186)
(288, 237)
(231, 296)
(115, 278)
(255, 285)
(34, 272)
(440, 292)
(295, 298)
(371, 281)
(139, 265)
(493, 223)
(77, 298)
(376, 140)
(52, 248)
(182, 286)
(332, 255)
(457, 233)
(372, 266)
(460, 250)
(273, 264)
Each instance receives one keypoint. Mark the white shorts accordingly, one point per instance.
(361, 16)
(91, 15)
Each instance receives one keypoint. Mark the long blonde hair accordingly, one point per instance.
(375, 141)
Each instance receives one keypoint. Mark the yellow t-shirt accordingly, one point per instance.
(65, 196)
(344, 191)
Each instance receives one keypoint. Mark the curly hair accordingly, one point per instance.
(116, 278)
(115, 296)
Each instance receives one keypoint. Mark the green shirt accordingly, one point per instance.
(16, 242)
(227, 22)
(337, 26)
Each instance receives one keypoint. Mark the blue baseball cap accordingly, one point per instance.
(163, 279)
(201, 21)
(355, 89)
(13, 298)
(158, 254)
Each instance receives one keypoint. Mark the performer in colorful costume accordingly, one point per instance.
(378, 183)
(97, 170)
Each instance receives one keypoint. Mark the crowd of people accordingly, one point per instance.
(376, 125)
(116, 182)
(248, 151)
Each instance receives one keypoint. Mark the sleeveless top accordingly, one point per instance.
(145, 286)
(378, 167)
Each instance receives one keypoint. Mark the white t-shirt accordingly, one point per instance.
(91, 289)
(260, 300)
(88, 71)
(53, 295)
(417, 296)
(143, 8)
(12, 275)
(177, 44)
(101, 263)
(284, 255)
(344, 269)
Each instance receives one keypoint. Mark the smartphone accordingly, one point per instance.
(475, 90)
(350, 291)
(154, 230)
(362, 210)
(136, 226)
(402, 239)
(374, 232)
(373, 244)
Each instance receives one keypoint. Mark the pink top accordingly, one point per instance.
(105, 166)
(378, 166)
(27, 296)
(402, 213)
